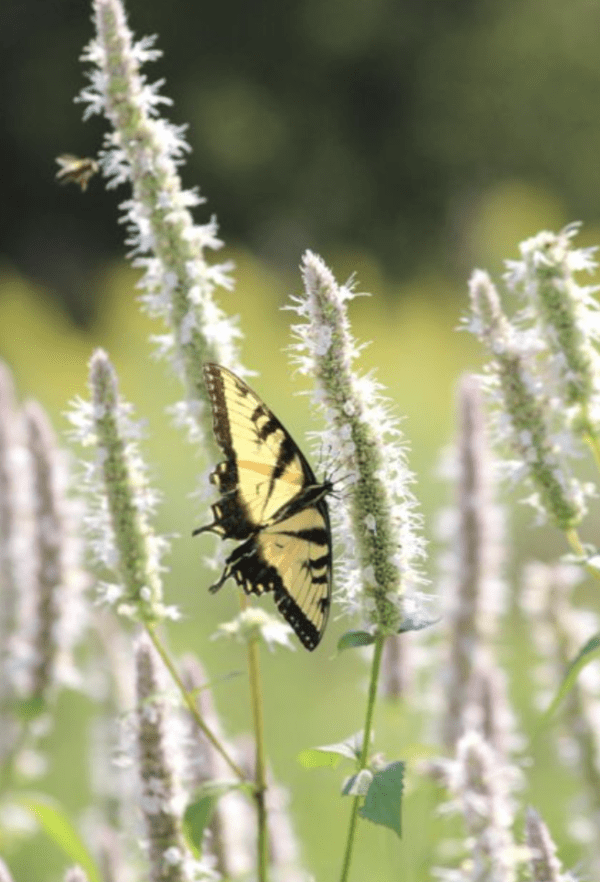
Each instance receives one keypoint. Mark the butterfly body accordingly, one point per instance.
(271, 501)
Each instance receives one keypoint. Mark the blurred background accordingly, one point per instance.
(405, 143)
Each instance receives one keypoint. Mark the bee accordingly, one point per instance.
(77, 170)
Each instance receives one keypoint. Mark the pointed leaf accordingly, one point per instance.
(588, 653)
(195, 820)
(355, 639)
(317, 757)
(329, 754)
(218, 787)
(211, 684)
(57, 826)
(383, 802)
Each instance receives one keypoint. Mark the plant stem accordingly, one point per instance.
(594, 445)
(187, 697)
(575, 543)
(260, 786)
(375, 667)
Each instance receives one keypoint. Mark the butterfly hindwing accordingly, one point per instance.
(270, 498)
(292, 559)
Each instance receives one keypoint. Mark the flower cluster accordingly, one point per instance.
(120, 498)
(543, 376)
(145, 150)
(378, 524)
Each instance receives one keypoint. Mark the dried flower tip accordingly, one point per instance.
(49, 541)
(545, 866)
(8, 513)
(166, 849)
(474, 595)
(482, 785)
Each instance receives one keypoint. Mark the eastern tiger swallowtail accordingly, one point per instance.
(76, 170)
(271, 500)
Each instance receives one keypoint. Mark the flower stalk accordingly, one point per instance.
(123, 538)
(145, 149)
(364, 754)
(377, 519)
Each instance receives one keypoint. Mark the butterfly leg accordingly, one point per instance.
(224, 576)
(232, 563)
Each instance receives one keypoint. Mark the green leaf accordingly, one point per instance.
(215, 789)
(588, 653)
(316, 757)
(355, 639)
(199, 812)
(383, 802)
(57, 826)
(195, 820)
(211, 684)
(331, 754)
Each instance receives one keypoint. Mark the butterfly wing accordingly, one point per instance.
(270, 498)
(264, 470)
(291, 558)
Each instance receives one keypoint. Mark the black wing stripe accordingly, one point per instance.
(271, 425)
(317, 535)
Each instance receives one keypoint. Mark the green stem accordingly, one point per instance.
(364, 754)
(594, 444)
(189, 700)
(575, 543)
(260, 787)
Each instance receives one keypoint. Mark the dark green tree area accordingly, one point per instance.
(332, 124)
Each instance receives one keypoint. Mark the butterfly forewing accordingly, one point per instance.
(271, 470)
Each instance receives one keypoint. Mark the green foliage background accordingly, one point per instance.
(404, 142)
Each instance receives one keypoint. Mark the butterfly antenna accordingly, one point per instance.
(342, 484)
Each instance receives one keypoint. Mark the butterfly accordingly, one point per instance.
(273, 504)
(78, 171)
